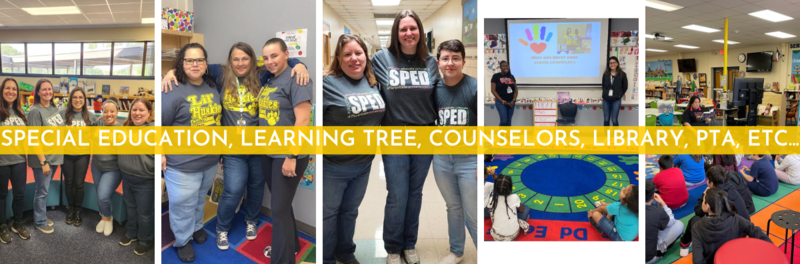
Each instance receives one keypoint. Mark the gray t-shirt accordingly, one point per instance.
(194, 105)
(239, 105)
(45, 116)
(12, 120)
(348, 102)
(77, 120)
(278, 98)
(458, 104)
(104, 162)
(139, 165)
(407, 87)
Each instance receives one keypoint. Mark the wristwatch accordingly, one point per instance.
(291, 156)
(44, 162)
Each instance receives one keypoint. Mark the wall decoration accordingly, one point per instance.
(177, 19)
(469, 23)
(296, 41)
(63, 86)
(89, 86)
(659, 71)
(795, 70)
(106, 89)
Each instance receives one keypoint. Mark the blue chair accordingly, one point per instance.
(665, 119)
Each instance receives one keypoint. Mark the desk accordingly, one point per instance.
(743, 250)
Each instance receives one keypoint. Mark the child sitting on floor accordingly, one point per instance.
(669, 183)
(512, 215)
(762, 180)
(661, 228)
(692, 167)
(618, 220)
(722, 224)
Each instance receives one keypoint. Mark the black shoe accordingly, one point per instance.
(77, 220)
(5, 237)
(141, 249)
(200, 236)
(186, 253)
(125, 241)
(20, 230)
(70, 216)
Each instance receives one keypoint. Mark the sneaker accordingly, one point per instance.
(200, 236)
(46, 229)
(268, 252)
(100, 226)
(685, 250)
(70, 217)
(49, 222)
(109, 226)
(451, 259)
(222, 240)
(394, 259)
(141, 249)
(5, 237)
(186, 253)
(252, 231)
(125, 241)
(411, 256)
(20, 230)
(597, 204)
(78, 220)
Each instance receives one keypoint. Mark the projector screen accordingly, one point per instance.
(556, 52)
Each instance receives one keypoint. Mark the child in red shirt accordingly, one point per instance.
(670, 184)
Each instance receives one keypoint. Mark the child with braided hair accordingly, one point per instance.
(512, 215)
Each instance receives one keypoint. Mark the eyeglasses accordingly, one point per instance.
(455, 60)
(199, 61)
(78, 97)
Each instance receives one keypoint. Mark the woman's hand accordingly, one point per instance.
(288, 168)
(302, 74)
(168, 80)
(46, 169)
(163, 162)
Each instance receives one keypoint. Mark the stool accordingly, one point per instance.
(740, 251)
(788, 219)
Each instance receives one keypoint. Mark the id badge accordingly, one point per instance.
(508, 90)
(610, 92)
(241, 122)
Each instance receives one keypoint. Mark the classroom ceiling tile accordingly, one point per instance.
(90, 2)
(51, 3)
(26, 3)
(127, 16)
(94, 9)
(112, 2)
(125, 8)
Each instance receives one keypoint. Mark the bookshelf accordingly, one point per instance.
(171, 39)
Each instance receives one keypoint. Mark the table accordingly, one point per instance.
(743, 250)
(788, 219)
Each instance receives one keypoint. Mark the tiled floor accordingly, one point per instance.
(433, 238)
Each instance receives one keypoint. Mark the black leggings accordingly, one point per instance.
(687, 235)
(282, 190)
(17, 173)
(74, 170)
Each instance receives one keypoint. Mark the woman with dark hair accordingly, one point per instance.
(504, 89)
(721, 225)
(407, 73)
(43, 163)
(189, 177)
(75, 166)
(105, 171)
(282, 102)
(615, 85)
(351, 98)
(12, 166)
(137, 183)
(693, 116)
(618, 220)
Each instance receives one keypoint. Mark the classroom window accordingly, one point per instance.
(128, 58)
(12, 57)
(97, 58)
(68, 58)
(40, 58)
(148, 64)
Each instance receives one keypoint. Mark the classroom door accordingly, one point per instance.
(733, 72)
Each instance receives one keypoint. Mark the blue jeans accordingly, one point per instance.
(187, 198)
(344, 187)
(611, 112)
(240, 171)
(106, 184)
(608, 228)
(456, 177)
(505, 112)
(405, 176)
(138, 193)
(40, 197)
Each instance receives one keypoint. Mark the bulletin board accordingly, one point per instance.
(625, 46)
(545, 113)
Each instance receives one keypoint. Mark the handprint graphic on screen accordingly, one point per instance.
(538, 34)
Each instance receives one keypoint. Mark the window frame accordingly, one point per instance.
(80, 71)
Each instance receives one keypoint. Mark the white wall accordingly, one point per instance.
(337, 24)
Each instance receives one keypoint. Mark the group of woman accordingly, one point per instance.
(614, 85)
(391, 101)
(238, 93)
(134, 171)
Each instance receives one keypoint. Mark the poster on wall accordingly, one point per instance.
(469, 23)
(63, 86)
(73, 83)
(494, 47)
(659, 71)
(795, 70)
(296, 41)
(346, 30)
(90, 86)
(624, 38)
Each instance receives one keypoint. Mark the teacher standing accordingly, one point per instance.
(504, 88)
(615, 84)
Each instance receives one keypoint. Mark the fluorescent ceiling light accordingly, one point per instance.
(58, 10)
(384, 32)
(385, 2)
(148, 20)
(771, 15)
(686, 46)
(656, 50)
(701, 28)
(384, 22)
(383, 37)
(723, 41)
(779, 34)
(661, 5)
(653, 36)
